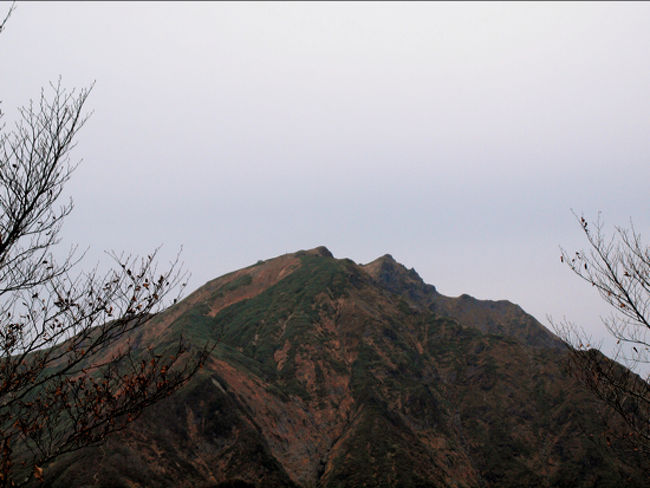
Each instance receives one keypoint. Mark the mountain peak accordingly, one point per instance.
(388, 257)
(328, 373)
(317, 251)
(396, 277)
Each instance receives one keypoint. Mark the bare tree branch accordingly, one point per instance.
(618, 267)
(7, 15)
(72, 366)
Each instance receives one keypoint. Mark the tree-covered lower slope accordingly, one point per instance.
(327, 373)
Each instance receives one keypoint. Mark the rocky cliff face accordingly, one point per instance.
(328, 373)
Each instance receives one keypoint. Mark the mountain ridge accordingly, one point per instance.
(330, 373)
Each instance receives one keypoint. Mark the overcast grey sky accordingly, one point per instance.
(456, 137)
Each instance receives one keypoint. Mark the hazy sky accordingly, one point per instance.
(456, 137)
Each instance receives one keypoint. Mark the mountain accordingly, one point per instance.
(327, 373)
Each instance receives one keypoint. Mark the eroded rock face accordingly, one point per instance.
(328, 373)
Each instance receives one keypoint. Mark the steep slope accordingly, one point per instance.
(328, 373)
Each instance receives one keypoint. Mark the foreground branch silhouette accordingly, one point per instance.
(70, 372)
(618, 267)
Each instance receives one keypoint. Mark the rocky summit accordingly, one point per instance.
(328, 373)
